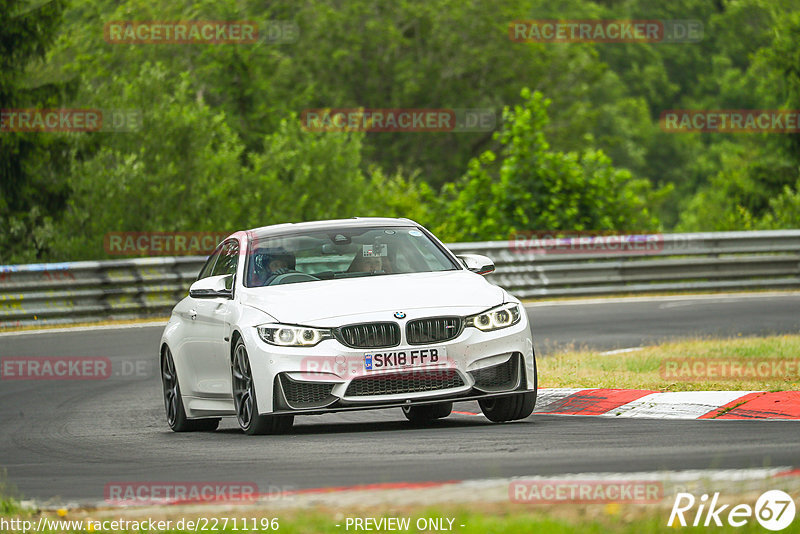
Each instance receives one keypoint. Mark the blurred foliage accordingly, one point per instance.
(577, 144)
(33, 181)
(530, 186)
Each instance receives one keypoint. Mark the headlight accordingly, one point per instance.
(496, 318)
(292, 336)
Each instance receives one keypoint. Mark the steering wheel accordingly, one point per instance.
(291, 278)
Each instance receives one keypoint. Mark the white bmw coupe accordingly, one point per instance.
(341, 315)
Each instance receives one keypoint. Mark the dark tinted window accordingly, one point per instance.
(343, 253)
(205, 272)
(227, 262)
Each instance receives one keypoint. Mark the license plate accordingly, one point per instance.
(398, 359)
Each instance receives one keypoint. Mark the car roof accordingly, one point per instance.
(355, 222)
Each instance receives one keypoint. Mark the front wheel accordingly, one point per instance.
(173, 403)
(512, 407)
(427, 412)
(244, 397)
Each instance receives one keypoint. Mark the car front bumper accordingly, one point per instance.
(332, 377)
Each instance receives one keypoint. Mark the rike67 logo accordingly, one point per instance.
(774, 510)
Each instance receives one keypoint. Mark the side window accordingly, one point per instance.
(228, 260)
(205, 272)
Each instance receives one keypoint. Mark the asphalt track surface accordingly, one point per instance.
(65, 440)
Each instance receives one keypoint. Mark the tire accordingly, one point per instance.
(244, 397)
(513, 407)
(173, 401)
(427, 412)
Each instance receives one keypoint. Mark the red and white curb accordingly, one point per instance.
(671, 405)
(648, 404)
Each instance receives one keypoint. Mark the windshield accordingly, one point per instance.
(343, 253)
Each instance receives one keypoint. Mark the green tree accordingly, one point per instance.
(784, 210)
(531, 187)
(301, 176)
(32, 188)
(185, 169)
(180, 170)
(755, 184)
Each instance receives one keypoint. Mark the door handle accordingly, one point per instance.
(193, 314)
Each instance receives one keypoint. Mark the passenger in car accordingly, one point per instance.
(370, 264)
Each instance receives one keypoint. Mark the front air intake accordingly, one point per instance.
(405, 382)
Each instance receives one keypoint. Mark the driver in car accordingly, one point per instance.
(278, 266)
(268, 266)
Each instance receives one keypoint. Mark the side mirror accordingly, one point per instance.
(477, 263)
(212, 286)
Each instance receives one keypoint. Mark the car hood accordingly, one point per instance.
(307, 302)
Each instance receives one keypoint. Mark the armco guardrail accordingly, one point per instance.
(89, 291)
(646, 264)
(122, 289)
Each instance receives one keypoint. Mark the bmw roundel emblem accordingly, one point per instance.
(399, 315)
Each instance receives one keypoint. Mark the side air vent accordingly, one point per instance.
(502, 377)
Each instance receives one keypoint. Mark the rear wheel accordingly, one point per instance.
(244, 397)
(427, 412)
(173, 403)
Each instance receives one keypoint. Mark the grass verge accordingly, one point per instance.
(516, 519)
(752, 363)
